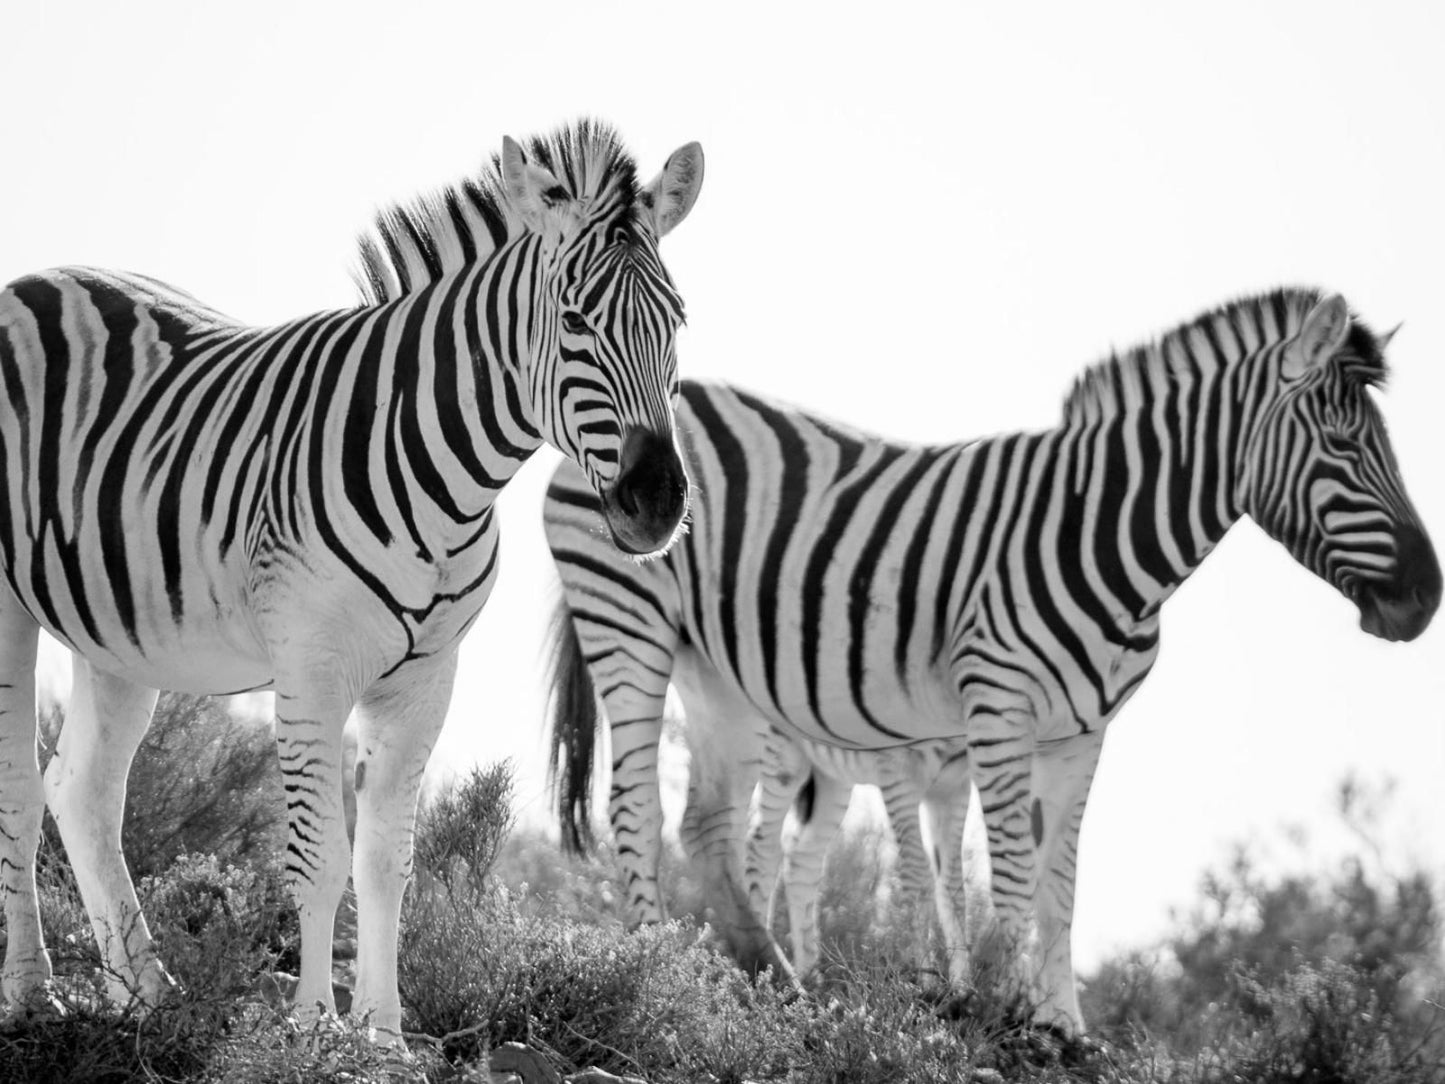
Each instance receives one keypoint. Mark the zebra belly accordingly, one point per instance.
(887, 713)
(210, 655)
(210, 668)
(210, 646)
(879, 722)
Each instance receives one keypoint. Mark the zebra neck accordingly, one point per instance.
(1160, 473)
(453, 423)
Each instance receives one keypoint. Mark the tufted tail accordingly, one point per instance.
(574, 723)
(803, 803)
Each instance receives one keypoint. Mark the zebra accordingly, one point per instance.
(871, 594)
(817, 782)
(200, 505)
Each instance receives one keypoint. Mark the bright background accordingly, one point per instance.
(920, 219)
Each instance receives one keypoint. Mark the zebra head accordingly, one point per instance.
(601, 356)
(1320, 476)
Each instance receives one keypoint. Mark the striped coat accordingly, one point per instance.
(196, 504)
(869, 593)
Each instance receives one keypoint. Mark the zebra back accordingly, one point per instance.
(573, 723)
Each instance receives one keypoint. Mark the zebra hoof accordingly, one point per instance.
(38, 1005)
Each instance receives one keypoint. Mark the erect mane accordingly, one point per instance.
(1253, 320)
(415, 243)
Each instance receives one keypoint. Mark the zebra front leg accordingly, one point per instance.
(785, 772)
(1000, 750)
(1063, 772)
(634, 805)
(805, 854)
(85, 787)
(399, 724)
(945, 808)
(308, 746)
(22, 805)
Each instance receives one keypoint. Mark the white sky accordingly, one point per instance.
(920, 219)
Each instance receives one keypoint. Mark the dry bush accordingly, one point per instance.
(219, 928)
(459, 833)
(1331, 974)
(203, 782)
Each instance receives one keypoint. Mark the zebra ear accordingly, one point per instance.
(1323, 333)
(670, 196)
(1383, 341)
(540, 199)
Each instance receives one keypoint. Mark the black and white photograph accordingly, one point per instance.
(771, 543)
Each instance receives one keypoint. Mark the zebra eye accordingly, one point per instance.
(574, 323)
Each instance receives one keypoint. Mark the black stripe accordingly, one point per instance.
(860, 592)
(1036, 550)
(792, 467)
(910, 585)
(824, 548)
(448, 392)
(1106, 543)
(357, 483)
(1143, 533)
(733, 460)
(965, 514)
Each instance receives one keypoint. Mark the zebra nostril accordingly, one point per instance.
(626, 499)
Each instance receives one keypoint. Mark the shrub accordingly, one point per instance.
(1322, 1023)
(655, 999)
(93, 1045)
(219, 928)
(1318, 976)
(202, 782)
(459, 834)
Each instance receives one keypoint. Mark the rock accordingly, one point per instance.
(601, 1076)
(523, 1061)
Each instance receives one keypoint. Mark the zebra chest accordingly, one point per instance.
(1084, 684)
(1069, 674)
(395, 601)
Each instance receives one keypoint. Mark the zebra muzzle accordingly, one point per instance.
(1401, 608)
(646, 504)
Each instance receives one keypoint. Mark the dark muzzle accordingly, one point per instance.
(649, 498)
(1401, 607)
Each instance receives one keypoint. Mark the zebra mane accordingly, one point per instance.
(1259, 318)
(417, 242)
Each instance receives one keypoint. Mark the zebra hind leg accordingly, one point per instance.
(85, 788)
(945, 809)
(785, 773)
(725, 737)
(902, 793)
(22, 804)
(806, 851)
(399, 726)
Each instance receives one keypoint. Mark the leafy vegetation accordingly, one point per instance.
(1329, 974)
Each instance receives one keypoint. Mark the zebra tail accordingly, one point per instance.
(574, 721)
(805, 799)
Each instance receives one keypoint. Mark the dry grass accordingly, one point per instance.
(1333, 976)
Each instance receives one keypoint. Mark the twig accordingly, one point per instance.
(598, 1043)
(451, 1036)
